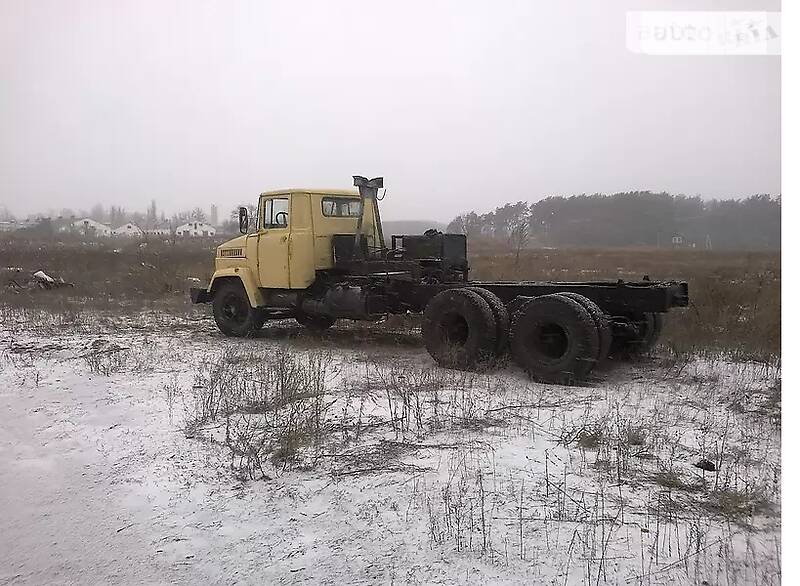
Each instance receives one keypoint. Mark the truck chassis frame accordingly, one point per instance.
(577, 324)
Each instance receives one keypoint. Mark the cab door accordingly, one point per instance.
(273, 242)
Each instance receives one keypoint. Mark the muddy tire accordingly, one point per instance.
(315, 322)
(516, 304)
(554, 339)
(501, 318)
(261, 319)
(600, 320)
(459, 329)
(649, 326)
(655, 327)
(232, 310)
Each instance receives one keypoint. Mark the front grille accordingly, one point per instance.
(231, 253)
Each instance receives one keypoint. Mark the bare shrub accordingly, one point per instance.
(171, 392)
(461, 512)
(381, 456)
(737, 504)
(106, 361)
(273, 404)
(635, 435)
(423, 401)
(144, 356)
(587, 435)
(672, 480)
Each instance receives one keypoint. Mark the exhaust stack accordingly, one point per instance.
(368, 190)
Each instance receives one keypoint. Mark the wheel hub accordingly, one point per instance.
(551, 340)
(455, 329)
(233, 309)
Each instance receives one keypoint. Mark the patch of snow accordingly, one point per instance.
(469, 479)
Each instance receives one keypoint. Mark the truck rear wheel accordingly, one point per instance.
(655, 330)
(500, 314)
(516, 304)
(315, 322)
(600, 320)
(554, 339)
(459, 329)
(232, 310)
(648, 327)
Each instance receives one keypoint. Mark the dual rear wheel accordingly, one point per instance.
(460, 330)
(647, 327)
(556, 338)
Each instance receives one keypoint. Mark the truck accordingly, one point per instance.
(319, 255)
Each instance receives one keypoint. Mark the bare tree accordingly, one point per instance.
(198, 215)
(519, 237)
(152, 215)
(252, 216)
(458, 225)
(117, 216)
(174, 222)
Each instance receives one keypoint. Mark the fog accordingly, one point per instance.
(459, 104)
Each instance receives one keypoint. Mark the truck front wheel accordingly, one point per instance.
(232, 311)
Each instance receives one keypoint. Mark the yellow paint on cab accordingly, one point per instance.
(288, 257)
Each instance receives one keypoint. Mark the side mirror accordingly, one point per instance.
(244, 224)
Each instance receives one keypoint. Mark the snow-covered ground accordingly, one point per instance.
(162, 452)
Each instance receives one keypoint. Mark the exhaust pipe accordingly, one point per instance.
(368, 190)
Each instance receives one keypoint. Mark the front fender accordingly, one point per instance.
(247, 278)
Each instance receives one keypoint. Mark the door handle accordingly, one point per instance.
(284, 238)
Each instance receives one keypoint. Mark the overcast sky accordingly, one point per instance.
(459, 104)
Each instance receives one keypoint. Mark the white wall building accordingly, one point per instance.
(10, 226)
(128, 230)
(196, 229)
(158, 232)
(89, 227)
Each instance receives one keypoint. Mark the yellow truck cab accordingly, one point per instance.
(294, 238)
(291, 239)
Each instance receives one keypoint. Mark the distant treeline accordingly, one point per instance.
(636, 218)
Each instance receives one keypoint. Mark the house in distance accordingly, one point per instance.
(196, 229)
(89, 227)
(129, 230)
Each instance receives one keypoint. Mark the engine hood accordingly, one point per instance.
(233, 248)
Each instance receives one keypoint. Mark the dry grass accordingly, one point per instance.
(735, 296)
(273, 406)
(119, 274)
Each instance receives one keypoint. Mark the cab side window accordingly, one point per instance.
(337, 207)
(276, 212)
